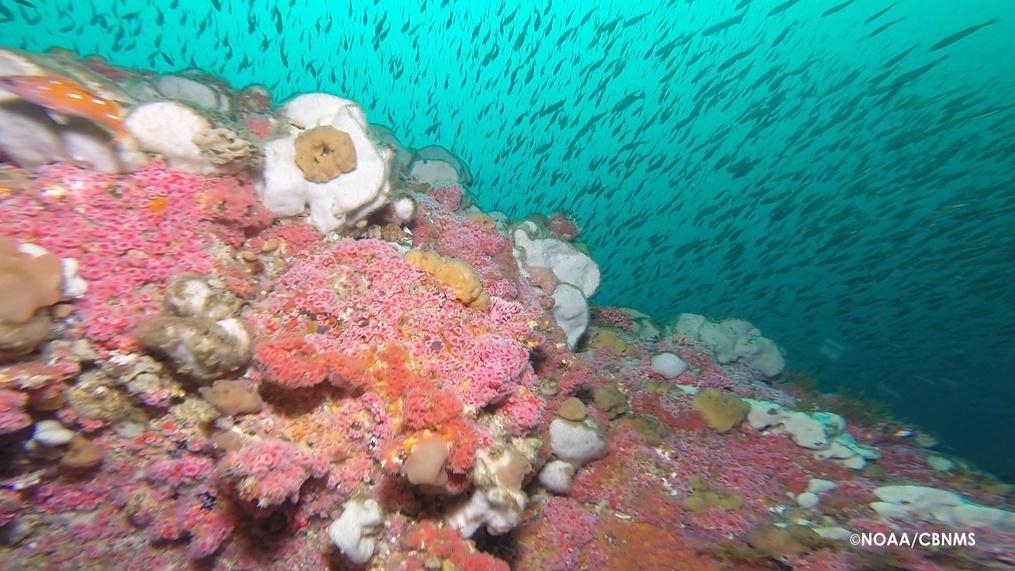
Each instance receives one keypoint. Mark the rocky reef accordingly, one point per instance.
(235, 336)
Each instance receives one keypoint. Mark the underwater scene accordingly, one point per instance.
(718, 285)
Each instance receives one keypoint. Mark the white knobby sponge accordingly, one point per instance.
(733, 340)
(484, 510)
(906, 503)
(341, 201)
(571, 312)
(498, 501)
(51, 433)
(823, 432)
(569, 264)
(354, 532)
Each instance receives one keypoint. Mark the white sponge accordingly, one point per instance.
(906, 503)
(569, 264)
(169, 129)
(557, 476)
(823, 432)
(733, 340)
(577, 442)
(571, 312)
(354, 532)
(337, 203)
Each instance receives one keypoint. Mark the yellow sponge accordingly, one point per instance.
(722, 410)
(454, 273)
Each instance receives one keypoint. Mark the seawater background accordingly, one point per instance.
(814, 167)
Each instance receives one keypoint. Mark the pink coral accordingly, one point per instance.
(429, 408)
(427, 541)
(178, 472)
(269, 472)
(567, 528)
(449, 197)
(491, 370)
(524, 412)
(126, 232)
(208, 526)
(613, 317)
(12, 415)
(11, 504)
(290, 363)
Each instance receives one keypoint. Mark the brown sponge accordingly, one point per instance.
(324, 152)
(233, 397)
(28, 282)
(425, 465)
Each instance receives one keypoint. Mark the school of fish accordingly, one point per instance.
(839, 173)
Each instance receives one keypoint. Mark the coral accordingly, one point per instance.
(324, 152)
(229, 202)
(429, 408)
(431, 544)
(524, 412)
(491, 370)
(454, 273)
(12, 414)
(267, 473)
(180, 472)
(722, 410)
(449, 197)
(548, 544)
(288, 361)
(614, 317)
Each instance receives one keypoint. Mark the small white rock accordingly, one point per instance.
(818, 485)
(669, 365)
(808, 500)
(833, 532)
(940, 463)
(51, 433)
